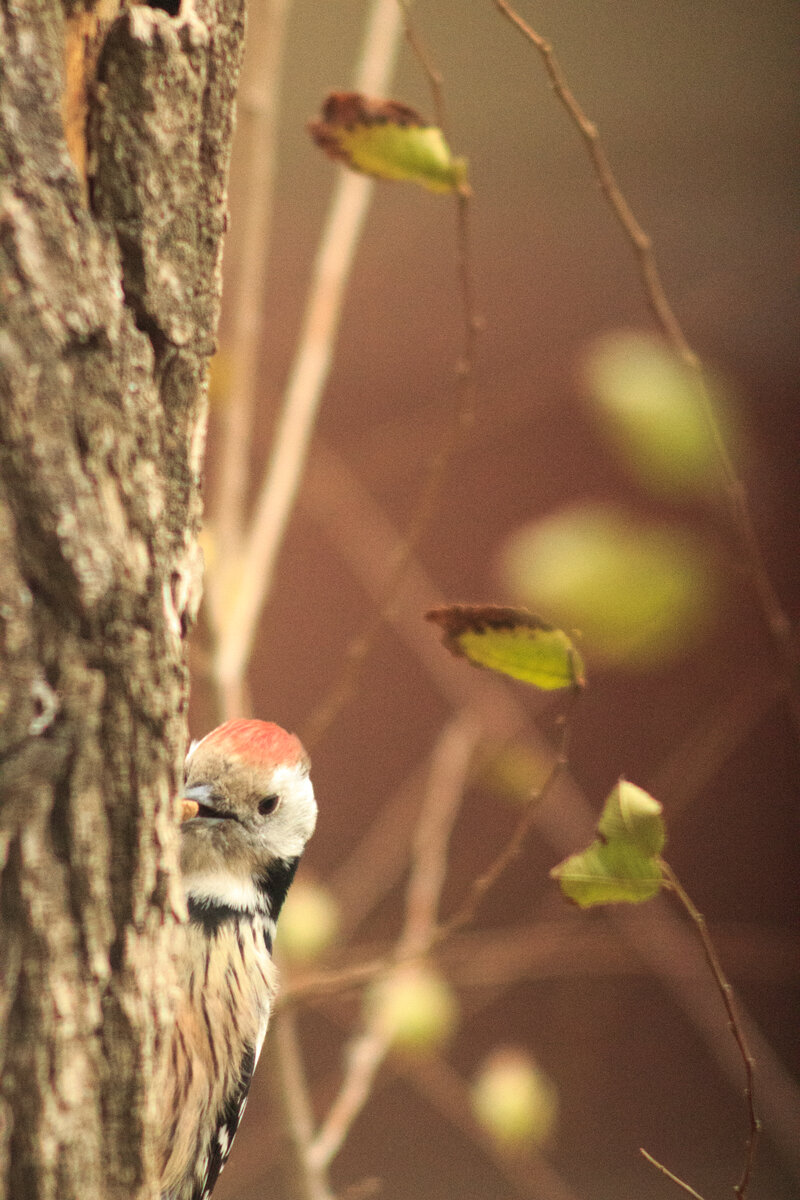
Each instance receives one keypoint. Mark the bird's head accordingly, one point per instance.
(248, 812)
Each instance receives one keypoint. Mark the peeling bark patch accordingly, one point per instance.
(149, 177)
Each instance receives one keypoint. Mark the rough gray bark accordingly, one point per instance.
(109, 311)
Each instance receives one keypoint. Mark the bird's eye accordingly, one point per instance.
(268, 805)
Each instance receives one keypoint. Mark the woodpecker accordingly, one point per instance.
(248, 810)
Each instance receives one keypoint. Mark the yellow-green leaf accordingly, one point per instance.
(388, 140)
(631, 814)
(512, 642)
(612, 873)
(622, 865)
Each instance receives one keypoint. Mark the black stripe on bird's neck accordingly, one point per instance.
(211, 916)
(274, 883)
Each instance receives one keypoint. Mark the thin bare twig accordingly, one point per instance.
(566, 949)
(356, 653)
(332, 982)
(675, 1178)
(778, 624)
(641, 241)
(297, 1105)
(445, 794)
(379, 859)
(485, 882)
(473, 321)
(279, 489)
(463, 420)
(736, 1029)
(358, 529)
(423, 57)
(364, 1056)
(310, 369)
(367, 1050)
(445, 1090)
(493, 959)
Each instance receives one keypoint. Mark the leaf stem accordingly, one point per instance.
(513, 847)
(736, 1029)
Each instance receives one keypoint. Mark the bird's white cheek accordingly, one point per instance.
(221, 888)
(302, 810)
(310, 808)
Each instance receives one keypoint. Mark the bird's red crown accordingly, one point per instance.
(260, 741)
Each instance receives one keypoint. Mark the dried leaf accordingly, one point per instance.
(388, 140)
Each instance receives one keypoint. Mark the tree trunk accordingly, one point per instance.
(109, 287)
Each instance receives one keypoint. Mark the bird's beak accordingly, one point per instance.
(187, 809)
(190, 802)
(199, 801)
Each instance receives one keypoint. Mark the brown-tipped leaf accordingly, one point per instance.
(388, 140)
(511, 641)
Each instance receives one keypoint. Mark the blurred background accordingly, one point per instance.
(560, 497)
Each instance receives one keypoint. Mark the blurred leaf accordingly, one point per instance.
(640, 594)
(652, 405)
(622, 864)
(512, 642)
(309, 922)
(415, 1007)
(515, 771)
(514, 1100)
(387, 139)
